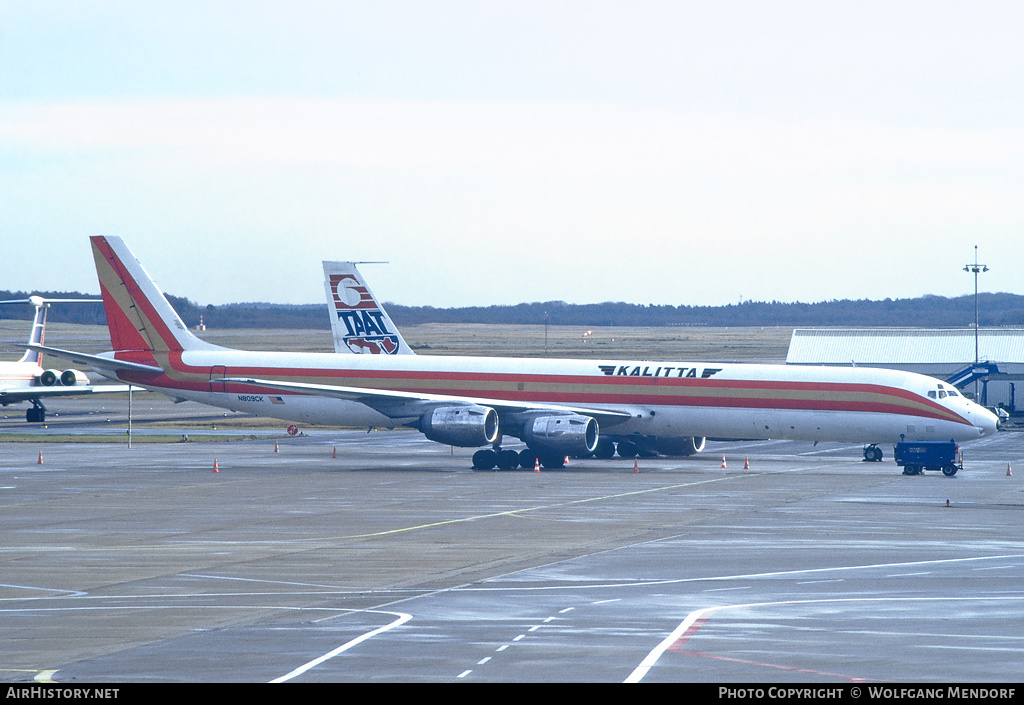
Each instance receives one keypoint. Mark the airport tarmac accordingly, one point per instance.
(395, 562)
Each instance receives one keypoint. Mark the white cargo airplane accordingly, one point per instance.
(557, 407)
(359, 323)
(26, 380)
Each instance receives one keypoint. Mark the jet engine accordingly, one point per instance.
(562, 434)
(49, 378)
(69, 378)
(466, 426)
(687, 445)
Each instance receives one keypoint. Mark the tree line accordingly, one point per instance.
(996, 309)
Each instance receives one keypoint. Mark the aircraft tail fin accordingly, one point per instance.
(38, 333)
(359, 323)
(141, 320)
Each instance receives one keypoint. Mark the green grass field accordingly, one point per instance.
(767, 344)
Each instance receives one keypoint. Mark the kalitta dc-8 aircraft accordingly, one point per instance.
(557, 407)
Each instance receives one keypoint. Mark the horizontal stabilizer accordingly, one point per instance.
(12, 396)
(97, 362)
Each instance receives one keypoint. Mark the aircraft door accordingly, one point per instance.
(217, 374)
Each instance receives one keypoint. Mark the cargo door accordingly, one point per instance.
(217, 374)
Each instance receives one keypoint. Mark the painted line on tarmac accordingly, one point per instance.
(696, 619)
(640, 582)
(180, 545)
(402, 619)
(512, 512)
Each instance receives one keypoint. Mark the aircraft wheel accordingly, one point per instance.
(527, 459)
(605, 449)
(507, 460)
(873, 454)
(35, 415)
(552, 461)
(484, 459)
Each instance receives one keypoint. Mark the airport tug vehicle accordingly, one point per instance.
(917, 456)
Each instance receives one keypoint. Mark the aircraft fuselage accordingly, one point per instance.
(721, 400)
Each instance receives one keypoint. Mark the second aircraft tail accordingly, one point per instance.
(358, 321)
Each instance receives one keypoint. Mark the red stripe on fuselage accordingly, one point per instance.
(595, 389)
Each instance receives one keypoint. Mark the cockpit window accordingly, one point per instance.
(952, 393)
(942, 394)
(931, 394)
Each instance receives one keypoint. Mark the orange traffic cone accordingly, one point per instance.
(334, 453)
(746, 463)
(215, 467)
(40, 461)
(636, 464)
(723, 461)
(1008, 473)
(536, 465)
(276, 450)
(566, 461)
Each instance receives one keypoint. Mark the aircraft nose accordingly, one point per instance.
(987, 422)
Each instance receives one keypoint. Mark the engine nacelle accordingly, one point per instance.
(466, 426)
(687, 445)
(569, 434)
(49, 378)
(69, 378)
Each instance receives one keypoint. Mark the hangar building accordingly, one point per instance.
(946, 354)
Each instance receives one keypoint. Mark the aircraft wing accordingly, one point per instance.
(396, 405)
(97, 362)
(13, 396)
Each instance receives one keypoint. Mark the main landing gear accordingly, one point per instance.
(488, 459)
(496, 458)
(37, 414)
(491, 458)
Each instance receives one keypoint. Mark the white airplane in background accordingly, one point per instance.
(359, 323)
(26, 380)
(557, 407)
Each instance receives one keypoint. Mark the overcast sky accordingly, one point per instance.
(493, 153)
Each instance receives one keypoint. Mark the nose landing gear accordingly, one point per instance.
(872, 454)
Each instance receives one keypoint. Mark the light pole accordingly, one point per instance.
(977, 269)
